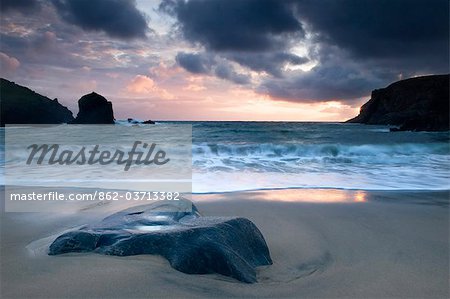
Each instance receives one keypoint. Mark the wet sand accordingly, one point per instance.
(324, 243)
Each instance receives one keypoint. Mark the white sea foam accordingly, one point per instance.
(369, 166)
(229, 156)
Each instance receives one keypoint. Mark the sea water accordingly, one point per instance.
(235, 156)
(230, 156)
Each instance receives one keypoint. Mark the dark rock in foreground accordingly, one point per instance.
(191, 243)
(416, 104)
(20, 105)
(94, 109)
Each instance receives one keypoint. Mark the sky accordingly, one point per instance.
(291, 60)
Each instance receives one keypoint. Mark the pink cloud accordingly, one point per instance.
(194, 87)
(141, 84)
(8, 64)
(145, 85)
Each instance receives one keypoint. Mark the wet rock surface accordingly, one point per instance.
(192, 243)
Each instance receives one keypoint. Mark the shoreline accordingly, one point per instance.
(330, 195)
(391, 244)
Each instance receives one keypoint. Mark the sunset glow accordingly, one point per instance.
(158, 60)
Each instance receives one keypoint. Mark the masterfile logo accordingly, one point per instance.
(113, 161)
(51, 154)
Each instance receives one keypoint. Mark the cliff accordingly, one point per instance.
(415, 104)
(20, 105)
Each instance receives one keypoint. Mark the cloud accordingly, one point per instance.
(325, 83)
(354, 45)
(45, 42)
(272, 63)
(8, 64)
(194, 87)
(256, 34)
(358, 52)
(235, 25)
(142, 84)
(337, 77)
(291, 50)
(194, 62)
(18, 5)
(204, 63)
(40, 48)
(225, 71)
(412, 34)
(117, 18)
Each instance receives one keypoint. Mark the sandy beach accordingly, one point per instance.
(324, 244)
(224, 149)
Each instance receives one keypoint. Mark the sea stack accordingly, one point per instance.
(94, 109)
(415, 104)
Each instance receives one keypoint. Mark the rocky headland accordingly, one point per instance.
(21, 105)
(415, 104)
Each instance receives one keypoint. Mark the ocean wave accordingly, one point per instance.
(248, 156)
(407, 166)
(383, 178)
(317, 150)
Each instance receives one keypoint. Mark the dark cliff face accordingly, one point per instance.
(416, 104)
(94, 109)
(20, 105)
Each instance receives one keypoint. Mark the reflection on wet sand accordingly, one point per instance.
(296, 195)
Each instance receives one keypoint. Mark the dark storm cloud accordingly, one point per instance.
(194, 62)
(337, 76)
(117, 18)
(323, 83)
(366, 45)
(234, 25)
(269, 62)
(205, 63)
(18, 5)
(253, 33)
(225, 71)
(382, 29)
(359, 45)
